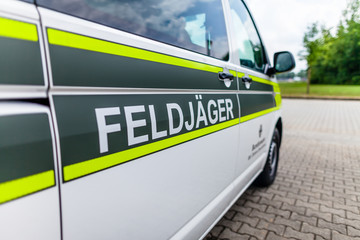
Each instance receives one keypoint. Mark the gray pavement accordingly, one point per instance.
(317, 191)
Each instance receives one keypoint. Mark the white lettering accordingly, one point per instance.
(170, 108)
(229, 109)
(201, 115)
(104, 129)
(214, 112)
(190, 125)
(221, 110)
(154, 133)
(132, 124)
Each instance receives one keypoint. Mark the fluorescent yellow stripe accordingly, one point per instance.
(26, 185)
(278, 99)
(261, 80)
(16, 29)
(84, 168)
(240, 74)
(258, 114)
(72, 40)
(233, 73)
(276, 88)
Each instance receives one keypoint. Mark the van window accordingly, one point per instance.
(194, 25)
(248, 42)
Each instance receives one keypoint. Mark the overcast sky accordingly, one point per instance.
(282, 23)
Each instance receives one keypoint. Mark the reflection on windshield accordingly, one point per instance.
(195, 25)
(247, 39)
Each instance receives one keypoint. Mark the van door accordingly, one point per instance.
(147, 133)
(256, 92)
(29, 198)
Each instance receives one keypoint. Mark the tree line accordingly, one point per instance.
(334, 58)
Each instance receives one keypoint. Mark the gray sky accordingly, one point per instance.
(282, 23)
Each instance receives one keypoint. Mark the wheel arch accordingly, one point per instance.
(279, 126)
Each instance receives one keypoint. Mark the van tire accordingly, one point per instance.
(268, 175)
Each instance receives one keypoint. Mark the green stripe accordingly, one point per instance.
(20, 56)
(258, 114)
(61, 38)
(25, 146)
(21, 187)
(20, 62)
(87, 167)
(16, 29)
(83, 68)
(253, 103)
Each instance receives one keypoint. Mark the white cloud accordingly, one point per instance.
(282, 23)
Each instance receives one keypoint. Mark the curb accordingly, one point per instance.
(321, 97)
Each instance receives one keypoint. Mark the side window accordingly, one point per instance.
(195, 25)
(248, 42)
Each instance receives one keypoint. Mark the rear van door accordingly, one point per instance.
(146, 114)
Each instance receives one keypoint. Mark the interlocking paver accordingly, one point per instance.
(313, 213)
(227, 234)
(338, 212)
(296, 225)
(353, 232)
(258, 233)
(292, 208)
(323, 232)
(310, 220)
(273, 236)
(317, 191)
(252, 221)
(278, 229)
(351, 215)
(273, 203)
(341, 228)
(279, 212)
(289, 232)
(230, 214)
(232, 225)
(339, 236)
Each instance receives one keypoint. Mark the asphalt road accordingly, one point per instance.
(317, 191)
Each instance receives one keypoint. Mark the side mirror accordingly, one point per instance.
(283, 62)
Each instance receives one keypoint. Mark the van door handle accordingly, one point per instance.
(223, 76)
(246, 79)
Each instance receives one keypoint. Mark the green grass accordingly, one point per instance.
(299, 89)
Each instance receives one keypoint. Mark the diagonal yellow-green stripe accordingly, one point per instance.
(23, 186)
(278, 99)
(16, 29)
(90, 166)
(258, 114)
(72, 40)
(261, 80)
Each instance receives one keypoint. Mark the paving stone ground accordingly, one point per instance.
(316, 194)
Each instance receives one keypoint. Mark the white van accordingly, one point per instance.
(132, 119)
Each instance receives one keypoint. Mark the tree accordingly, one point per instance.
(334, 59)
(302, 74)
(285, 76)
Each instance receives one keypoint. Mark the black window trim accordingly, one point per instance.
(266, 58)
